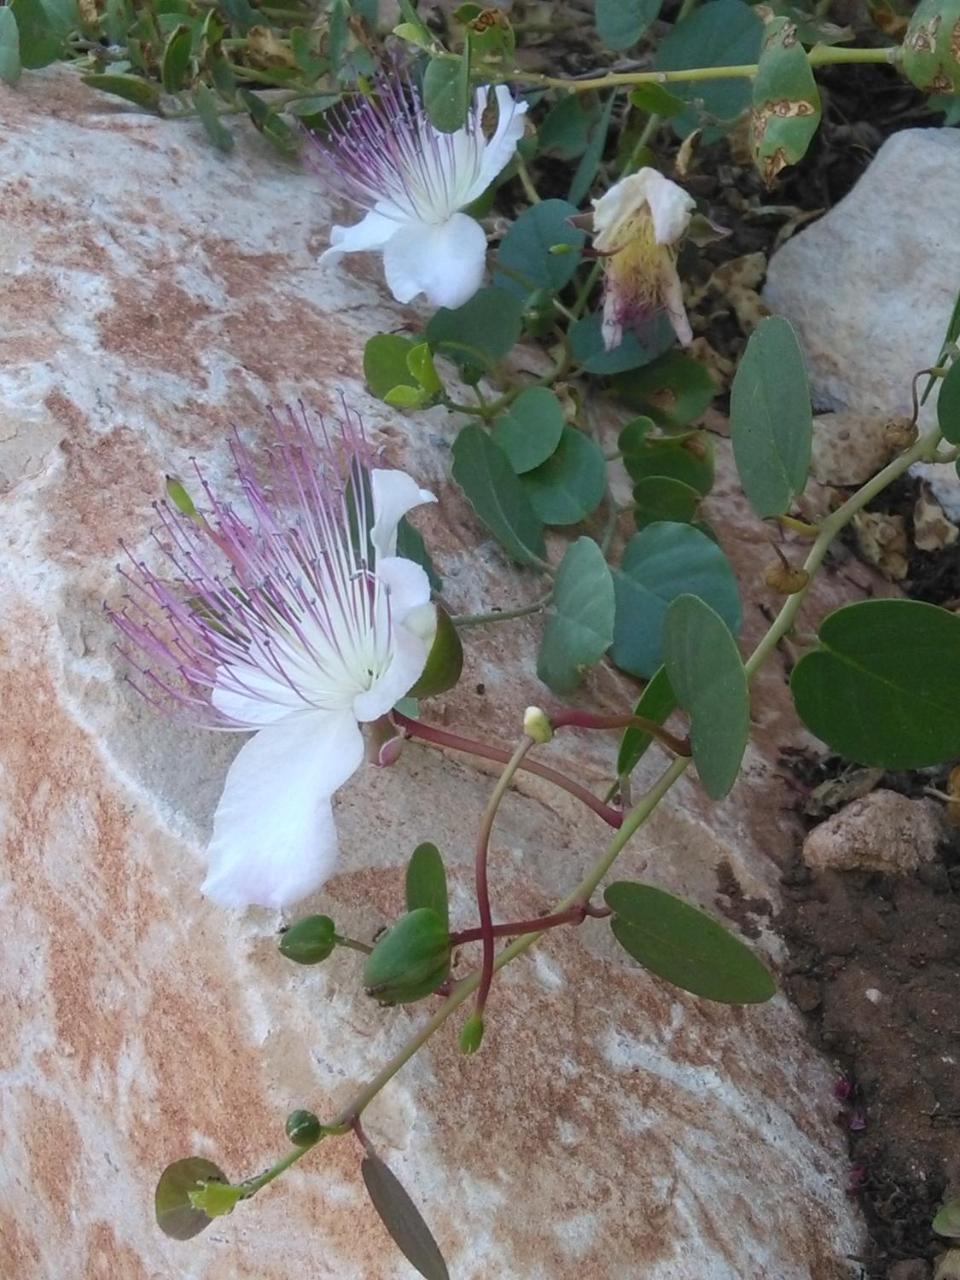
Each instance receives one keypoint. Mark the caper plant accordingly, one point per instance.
(314, 619)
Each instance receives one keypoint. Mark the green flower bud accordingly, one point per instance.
(471, 1034)
(302, 1128)
(310, 940)
(931, 48)
(445, 660)
(536, 725)
(411, 959)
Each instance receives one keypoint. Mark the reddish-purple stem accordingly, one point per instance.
(574, 718)
(513, 928)
(456, 742)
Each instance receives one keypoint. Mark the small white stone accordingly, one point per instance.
(873, 995)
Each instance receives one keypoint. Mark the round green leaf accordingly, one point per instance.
(586, 344)
(481, 332)
(655, 703)
(786, 101)
(771, 421)
(706, 673)
(444, 662)
(884, 687)
(426, 882)
(947, 1220)
(621, 23)
(483, 472)
(385, 362)
(579, 626)
(446, 92)
(687, 458)
(673, 390)
(724, 33)
(663, 561)
(525, 251)
(660, 498)
(43, 27)
(685, 946)
(531, 428)
(948, 404)
(402, 1219)
(176, 1215)
(571, 483)
(9, 46)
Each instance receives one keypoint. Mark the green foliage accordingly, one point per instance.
(525, 260)
(786, 102)
(586, 344)
(948, 404)
(570, 485)
(931, 51)
(411, 546)
(483, 472)
(687, 458)
(656, 100)
(530, 429)
(664, 561)
(385, 363)
(661, 498)
(471, 1034)
(589, 164)
(656, 703)
(426, 882)
(310, 940)
(706, 673)
(771, 422)
(479, 334)
(884, 687)
(621, 23)
(446, 92)
(402, 1219)
(131, 88)
(177, 1215)
(947, 1220)
(673, 390)
(205, 101)
(566, 129)
(9, 47)
(410, 960)
(43, 27)
(444, 661)
(685, 946)
(579, 626)
(724, 33)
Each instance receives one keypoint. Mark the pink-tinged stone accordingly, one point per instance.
(152, 294)
(883, 831)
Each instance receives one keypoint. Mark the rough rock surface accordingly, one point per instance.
(870, 286)
(153, 293)
(884, 831)
(848, 447)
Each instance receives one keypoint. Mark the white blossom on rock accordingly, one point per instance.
(413, 183)
(298, 622)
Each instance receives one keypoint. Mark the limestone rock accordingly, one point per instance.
(884, 831)
(848, 447)
(870, 286)
(152, 294)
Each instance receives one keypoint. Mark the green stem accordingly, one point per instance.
(501, 615)
(352, 944)
(925, 447)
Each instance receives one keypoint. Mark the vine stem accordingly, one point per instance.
(632, 821)
(501, 615)
(456, 742)
(818, 57)
(480, 871)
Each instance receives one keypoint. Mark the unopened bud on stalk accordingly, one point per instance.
(302, 1128)
(310, 940)
(410, 960)
(900, 433)
(785, 579)
(536, 725)
(471, 1035)
(931, 48)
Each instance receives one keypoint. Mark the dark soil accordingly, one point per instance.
(874, 964)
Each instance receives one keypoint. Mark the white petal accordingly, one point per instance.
(373, 231)
(671, 296)
(413, 627)
(274, 840)
(670, 207)
(499, 151)
(443, 260)
(620, 202)
(394, 494)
